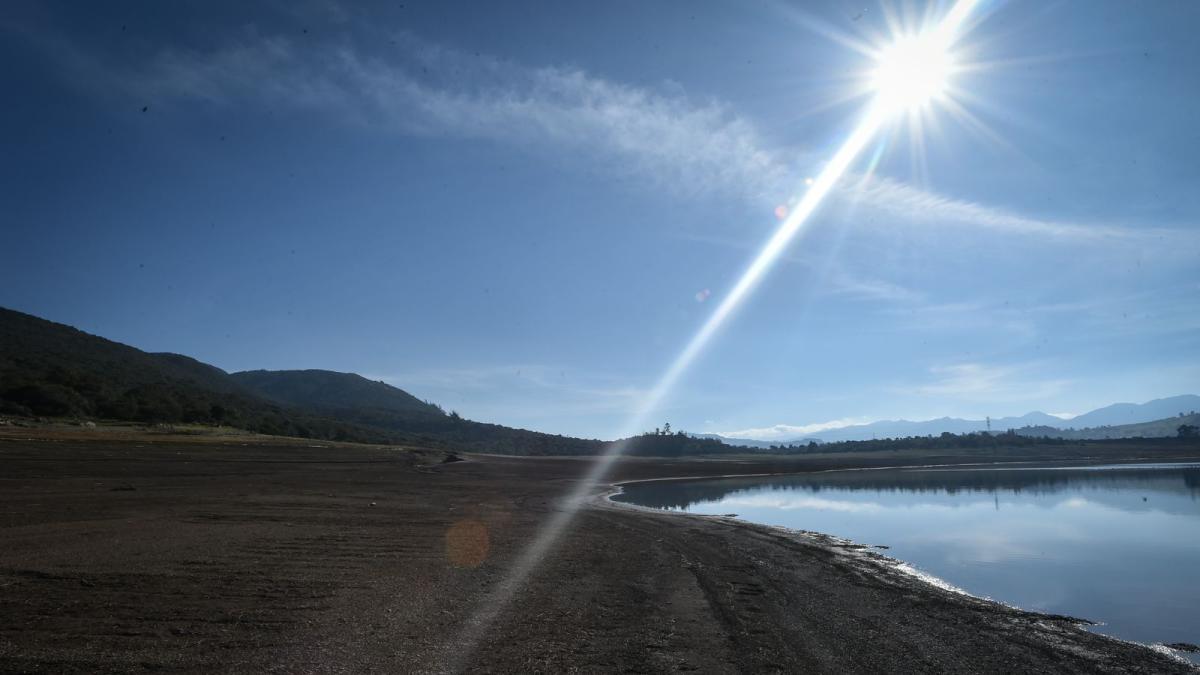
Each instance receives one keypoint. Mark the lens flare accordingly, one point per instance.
(915, 73)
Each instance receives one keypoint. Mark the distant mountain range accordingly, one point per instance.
(1168, 426)
(1098, 422)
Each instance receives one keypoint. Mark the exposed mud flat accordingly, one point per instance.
(260, 555)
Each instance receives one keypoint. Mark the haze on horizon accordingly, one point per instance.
(523, 212)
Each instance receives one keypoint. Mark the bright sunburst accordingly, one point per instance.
(912, 71)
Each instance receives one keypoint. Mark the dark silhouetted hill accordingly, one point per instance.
(354, 399)
(331, 390)
(53, 370)
(50, 369)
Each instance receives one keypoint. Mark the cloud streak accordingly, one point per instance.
(666, 139)
(905, 201)
(985, 382)
(791, 431)
(660, 136)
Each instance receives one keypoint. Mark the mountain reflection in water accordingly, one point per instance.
(1182, 479)
(1117, 544)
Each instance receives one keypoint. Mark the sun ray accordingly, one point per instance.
(971, 122)
(817, 26)
(890, 100)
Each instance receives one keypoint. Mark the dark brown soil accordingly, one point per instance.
(238, 554)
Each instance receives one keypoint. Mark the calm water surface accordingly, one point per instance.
(1117, 544)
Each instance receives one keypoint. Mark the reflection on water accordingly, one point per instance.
(1117, 544)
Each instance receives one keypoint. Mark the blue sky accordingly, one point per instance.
(524, 212)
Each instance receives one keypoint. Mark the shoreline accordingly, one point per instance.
(199, 555)
(869, 557)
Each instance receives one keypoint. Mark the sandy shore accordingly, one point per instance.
(156, 553)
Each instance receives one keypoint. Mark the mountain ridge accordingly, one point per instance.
(1114, 414)
(55, 370)
(50, 369)
(330, 389)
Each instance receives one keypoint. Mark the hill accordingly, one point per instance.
(53, 370)
(353, 399)
(326, 389)
(1166, 427)
(1135, 413)
(49, 369)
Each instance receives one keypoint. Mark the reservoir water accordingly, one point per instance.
(1116, 544)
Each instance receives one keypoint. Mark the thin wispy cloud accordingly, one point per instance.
(844, 283)
(906, 201)
(662, 136)
(982, 382)
(667, 139)
(791, 431)
(1149, 312)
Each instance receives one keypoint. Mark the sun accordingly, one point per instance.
(912, 71)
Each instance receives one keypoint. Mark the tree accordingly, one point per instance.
(1188, 431)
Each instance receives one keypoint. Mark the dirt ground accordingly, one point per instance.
(145, 552)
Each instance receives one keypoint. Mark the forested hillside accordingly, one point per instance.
(50, 369)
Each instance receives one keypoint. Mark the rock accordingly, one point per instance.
(1183, 646)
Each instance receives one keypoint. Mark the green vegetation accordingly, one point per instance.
(49, 369)
(663, 443)
(325, 389)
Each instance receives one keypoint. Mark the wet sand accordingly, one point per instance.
(143, 552)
